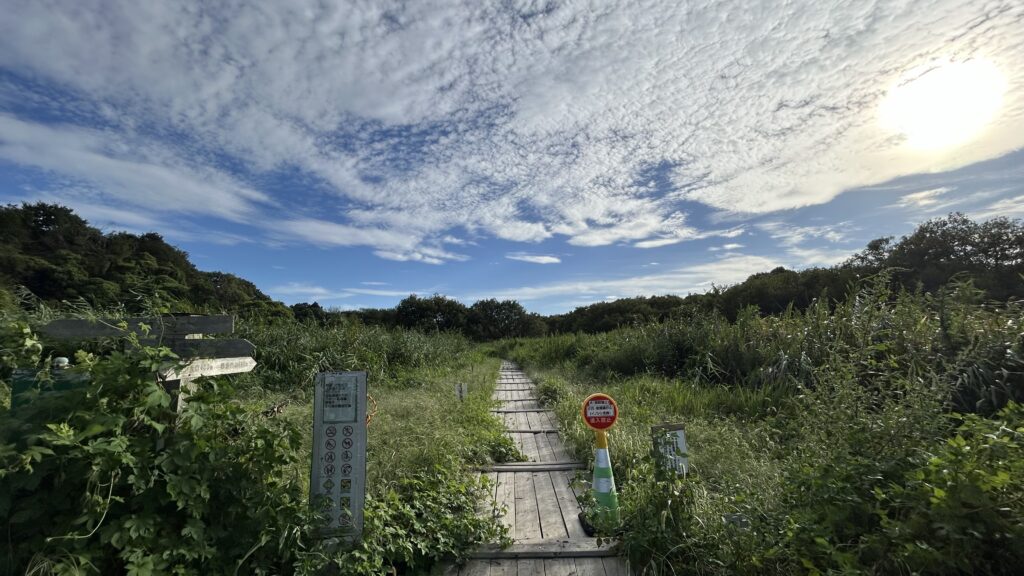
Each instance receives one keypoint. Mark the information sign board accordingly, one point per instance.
(599, 411)
(338, 476)
(670, 448)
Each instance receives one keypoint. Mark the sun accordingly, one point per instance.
(944, 106)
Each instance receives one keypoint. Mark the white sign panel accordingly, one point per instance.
(600, 409)
(670, 446)
(338, 476)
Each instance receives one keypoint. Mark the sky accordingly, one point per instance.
(556, 153)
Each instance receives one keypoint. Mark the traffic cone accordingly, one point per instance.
(603, 486)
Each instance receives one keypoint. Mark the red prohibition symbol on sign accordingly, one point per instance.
(599, 411)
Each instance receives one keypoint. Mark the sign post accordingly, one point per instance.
(670, 449)
(461, 391)
(338, 476)
(600, 413)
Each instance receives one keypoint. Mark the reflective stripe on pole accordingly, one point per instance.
(603, 486)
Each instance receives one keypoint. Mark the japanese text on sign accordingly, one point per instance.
(338, 478)
(599, 411)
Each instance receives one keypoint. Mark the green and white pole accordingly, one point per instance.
(603, 486)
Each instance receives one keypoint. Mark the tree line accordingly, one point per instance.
(56, 255)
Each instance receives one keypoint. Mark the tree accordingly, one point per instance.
(434, 314)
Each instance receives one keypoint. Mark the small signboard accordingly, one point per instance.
(461, 391)
(599, 411)
(670, 448)
(338, 477)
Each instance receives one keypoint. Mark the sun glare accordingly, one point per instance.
(945, 106)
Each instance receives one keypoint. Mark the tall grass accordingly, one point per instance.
(831, 440)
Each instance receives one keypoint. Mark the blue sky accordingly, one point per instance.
(558, 153)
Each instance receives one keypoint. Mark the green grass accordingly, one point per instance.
(827, 441)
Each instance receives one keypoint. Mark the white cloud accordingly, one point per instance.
(301, 291)
(533, 258)
(423, 117)
(1008, 207)
(793, 235)
(727, 247)
(923, 199)
(375, 283)
(808, 257)
(695, 278)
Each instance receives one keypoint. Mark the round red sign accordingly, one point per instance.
(599, 411)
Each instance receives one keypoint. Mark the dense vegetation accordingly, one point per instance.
(864, 418)
(880, 435)
(110, 479)
(56, 256)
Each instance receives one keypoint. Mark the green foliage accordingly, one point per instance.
(416, 521)
(58, 257)
(111, 479)
(824, 440)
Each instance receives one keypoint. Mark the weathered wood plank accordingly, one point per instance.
(527, 515)
(558, 449)
(551, 523)
(530, 567)
(503, 568)
(506, 496)
(209, 367)
(513, 411)
(530, 447)
(585, 548)
(568, 505)
(589, 567)
(71, 329)
(616, 566)
(533, 430)
(475, 568)
(533, 467)
(560, 567)
(547, 454)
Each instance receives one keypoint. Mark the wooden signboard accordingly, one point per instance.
(338, 475)
(182, 333)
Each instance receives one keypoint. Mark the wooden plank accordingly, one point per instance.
(530, 567)
(533, 467)
(551, 523)
(567, 504)
(512, 411)
(560, 567)
(209, 367)
(530, 448)
(585, 548)
(616, 566)
(475, 568)
(547, 454)
(534, 430)
(503, 568)
(71, 329)
(557, 448)
(527, 515)
(506, 497)
(589, 567)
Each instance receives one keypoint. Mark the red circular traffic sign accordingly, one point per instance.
(600, 411)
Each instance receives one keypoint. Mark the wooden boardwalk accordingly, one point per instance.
(541, 508)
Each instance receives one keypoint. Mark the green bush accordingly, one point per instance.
(110, 479)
